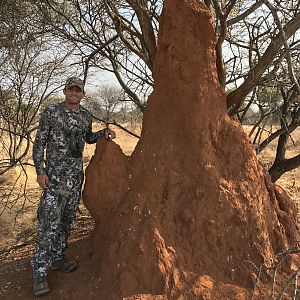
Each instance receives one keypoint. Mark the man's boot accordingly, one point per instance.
(40, 286)
(64, 265)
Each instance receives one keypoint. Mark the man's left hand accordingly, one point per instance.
(109, 134)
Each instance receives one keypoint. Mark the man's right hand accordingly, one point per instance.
(110, 134)
(43, 180)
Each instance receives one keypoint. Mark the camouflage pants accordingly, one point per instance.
(56, 213)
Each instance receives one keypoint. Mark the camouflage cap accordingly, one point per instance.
(74, 81)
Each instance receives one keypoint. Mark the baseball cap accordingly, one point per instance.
(74, 81)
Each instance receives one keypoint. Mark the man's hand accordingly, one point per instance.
(109, 134)
(43, 180)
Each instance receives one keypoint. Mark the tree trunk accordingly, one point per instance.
(238, 95)
(280, 167)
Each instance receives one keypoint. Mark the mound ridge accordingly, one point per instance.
(190, 212)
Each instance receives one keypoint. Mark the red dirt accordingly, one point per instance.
(183, 214)
(189, 212)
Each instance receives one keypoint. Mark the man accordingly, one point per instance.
(63, 130)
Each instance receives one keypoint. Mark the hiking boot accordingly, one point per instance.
(64, 265)
(40, 286)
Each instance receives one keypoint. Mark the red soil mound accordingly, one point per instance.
(189, 210)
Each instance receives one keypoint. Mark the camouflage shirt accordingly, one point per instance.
(63, 133)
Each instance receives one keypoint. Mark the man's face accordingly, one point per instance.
(73, 95)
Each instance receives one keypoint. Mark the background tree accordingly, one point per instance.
(32, 69)
(115, 36)
(262, 47)
(105, 102)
